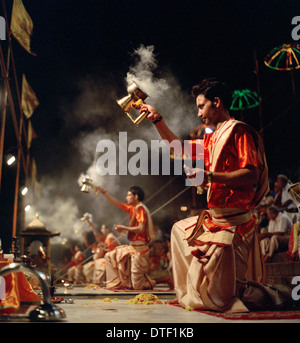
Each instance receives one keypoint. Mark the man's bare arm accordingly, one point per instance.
(240, 177)
(161, 126)
(110, 198)
(134, 229)
(247, 175)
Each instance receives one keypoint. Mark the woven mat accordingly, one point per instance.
(259, 315)
(154, 290)
(253, 315)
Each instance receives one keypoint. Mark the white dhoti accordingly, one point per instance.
(276, 243)
(88, 271)
(127, 266)
(99, 270)
(75, 274)
(205, 275)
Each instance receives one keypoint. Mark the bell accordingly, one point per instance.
(87, 217)
(136, 91)
(126, 103)
(134, 99)
(87, 184)
(85, 188)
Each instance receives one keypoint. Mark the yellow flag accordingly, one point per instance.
(31, 134)
(33, 170)
(21, 25)
(35, 185)
(29, 100)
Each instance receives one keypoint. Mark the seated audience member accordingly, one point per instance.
(283, 200)
(278, 235)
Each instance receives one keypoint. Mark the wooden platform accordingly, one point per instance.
(280, 271)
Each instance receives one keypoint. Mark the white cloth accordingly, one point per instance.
(212, 284)
(277, 243)
(282, 223)
(127, 266)
(99, 270)
(75, 274)
(88, 271)
(9, 257)
(285, 197)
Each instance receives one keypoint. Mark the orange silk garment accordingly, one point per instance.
(18, 290)
(238, 152)
(111, 242)
(140, 217)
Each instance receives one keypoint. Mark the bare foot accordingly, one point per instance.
(168, 279)
(173, 301)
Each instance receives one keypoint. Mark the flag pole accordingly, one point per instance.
(256, 71)
(17, 130)
(22, 19)
(3, 118)
(22, 127)
(18, 135)
(19, 138)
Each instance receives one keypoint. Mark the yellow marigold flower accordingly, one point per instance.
(189, 308)
(106, 300)
(145, 298)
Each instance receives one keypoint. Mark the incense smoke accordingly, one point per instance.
(95, 116)
(164, 92)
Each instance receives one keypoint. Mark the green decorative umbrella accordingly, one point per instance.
(284, 58)
(244, 100)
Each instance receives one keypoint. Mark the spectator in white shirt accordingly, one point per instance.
(283, 200)
(277, 237)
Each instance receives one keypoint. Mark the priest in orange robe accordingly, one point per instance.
(215, 252)
(127, 265)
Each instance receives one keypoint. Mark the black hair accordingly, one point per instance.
(212, 88)
(283, 178)
(273, 209)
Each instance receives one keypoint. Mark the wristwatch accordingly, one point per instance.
(157, 120)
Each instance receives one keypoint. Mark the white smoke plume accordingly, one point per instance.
(58, 212)
(164, 92)
(95, 116)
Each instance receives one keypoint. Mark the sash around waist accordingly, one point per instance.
(139, 246)
(229, 216)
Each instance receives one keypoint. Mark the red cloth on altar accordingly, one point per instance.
(17, 290)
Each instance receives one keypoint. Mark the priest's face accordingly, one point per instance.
(131, 198)
(207, 110)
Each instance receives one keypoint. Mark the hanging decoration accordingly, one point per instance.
(244, 100)
(284, 57)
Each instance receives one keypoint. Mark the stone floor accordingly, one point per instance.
(88, 305)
